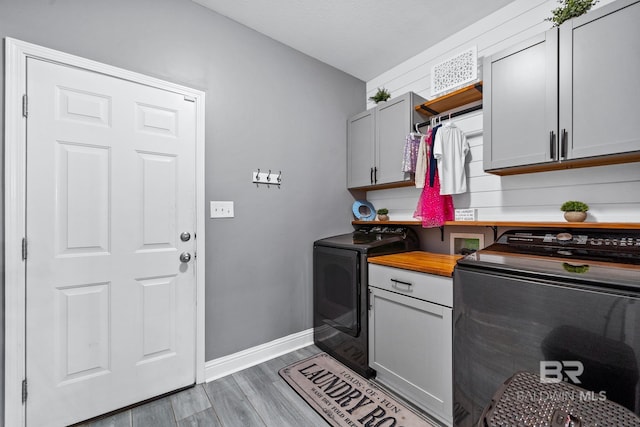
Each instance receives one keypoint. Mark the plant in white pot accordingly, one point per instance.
(383, 214)
(574, 211)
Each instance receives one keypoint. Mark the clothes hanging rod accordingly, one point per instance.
(452, 115)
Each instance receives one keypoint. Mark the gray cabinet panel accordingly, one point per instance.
(375, 142)
(520, 116)
(393, 123)
(600, 89)
(360, 149)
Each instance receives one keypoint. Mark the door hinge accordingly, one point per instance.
(24, 248)
(24, 390)
(25, 106)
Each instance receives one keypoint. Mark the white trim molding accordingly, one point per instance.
(223, 366)
(16, 54)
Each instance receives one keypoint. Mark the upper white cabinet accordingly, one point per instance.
(520, 103)
(375, 142)
(361, 133)
(566, 98)
(600, 81)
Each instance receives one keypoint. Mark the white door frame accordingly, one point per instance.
(16, 54)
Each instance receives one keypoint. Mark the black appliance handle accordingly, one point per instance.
(563, 142)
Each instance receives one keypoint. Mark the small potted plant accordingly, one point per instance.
(381, 95)
(570, 9)
(574, 211)
(383, 214)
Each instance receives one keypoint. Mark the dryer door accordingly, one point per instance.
(336, 284)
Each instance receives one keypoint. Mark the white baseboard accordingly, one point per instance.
(218, 368)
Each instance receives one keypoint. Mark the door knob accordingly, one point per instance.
(185, 257)
(185, 237)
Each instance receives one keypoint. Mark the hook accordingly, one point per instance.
(279, 178)
(269, 176)
(258, 175)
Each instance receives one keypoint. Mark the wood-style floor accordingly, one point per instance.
(256, 396)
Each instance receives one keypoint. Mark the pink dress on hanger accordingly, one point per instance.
(433, 208)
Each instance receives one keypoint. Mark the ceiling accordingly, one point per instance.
(361, 37)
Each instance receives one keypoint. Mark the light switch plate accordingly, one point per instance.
(221, 209)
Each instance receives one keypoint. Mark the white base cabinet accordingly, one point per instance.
(410, 337)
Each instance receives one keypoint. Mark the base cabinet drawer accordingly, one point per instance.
(427, 287)
(410, 347)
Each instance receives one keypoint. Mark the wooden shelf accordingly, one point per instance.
(373, 187)
(458, 98)
(522, 224)
(423, 262)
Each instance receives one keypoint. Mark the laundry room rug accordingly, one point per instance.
(344, 398)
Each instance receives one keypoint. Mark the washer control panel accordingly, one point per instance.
(606, 245)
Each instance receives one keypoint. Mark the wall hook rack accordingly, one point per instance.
(268, 178)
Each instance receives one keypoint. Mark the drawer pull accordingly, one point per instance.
(400, 282)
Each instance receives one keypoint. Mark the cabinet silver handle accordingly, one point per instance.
(552, 145)
(375, 175)
(371, 178)
(400, 282)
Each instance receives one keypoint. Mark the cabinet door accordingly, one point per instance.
(520, 104)
(393, 123)
(410, 347)
(599, 86)
(360, 149)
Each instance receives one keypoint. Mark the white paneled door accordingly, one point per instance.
(110, 302)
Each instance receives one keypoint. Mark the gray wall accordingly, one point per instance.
(269, 107)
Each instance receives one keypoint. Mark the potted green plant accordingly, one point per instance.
(383, 214)
(570, 9)
(574, 211)
(381, 95)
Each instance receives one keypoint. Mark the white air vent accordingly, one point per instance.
(455, 72)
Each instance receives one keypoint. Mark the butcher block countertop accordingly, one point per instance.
(423, 262)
